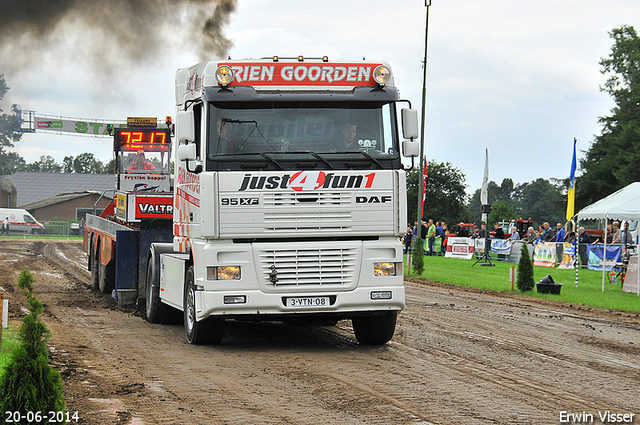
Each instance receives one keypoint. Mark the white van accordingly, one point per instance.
(21, 222)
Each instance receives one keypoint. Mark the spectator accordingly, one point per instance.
(462, 232)
(559, 239)
(560, 233)
(423, 230)
(531, 235)
(476, 233)
(515, 235)
(443, 248)
(617, 234)
(431, 236)
(538, 238)
(548, 235)
(407, 239)
(440, 235)
(499, 233)
(584, 239)
(627, 238)
(5, 226)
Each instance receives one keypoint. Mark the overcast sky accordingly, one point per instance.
(519, 78)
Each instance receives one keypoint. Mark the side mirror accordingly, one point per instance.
(409, 123)
(410, 148)
(187, 152)
(185, 127)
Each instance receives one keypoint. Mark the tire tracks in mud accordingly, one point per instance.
(458, 357)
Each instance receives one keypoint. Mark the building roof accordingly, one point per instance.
(33, 187)
(62, 197)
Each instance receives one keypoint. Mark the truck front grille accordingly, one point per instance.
(326, 266)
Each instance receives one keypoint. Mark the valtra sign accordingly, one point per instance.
(303, 74)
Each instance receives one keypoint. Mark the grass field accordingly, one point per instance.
(9, 342)
(589, 291)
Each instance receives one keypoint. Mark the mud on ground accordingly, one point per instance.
(459, 356)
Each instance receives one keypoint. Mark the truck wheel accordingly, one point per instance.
(107, 280)
(157, 312)
(95, 263)
(375, 330)
(207, 331)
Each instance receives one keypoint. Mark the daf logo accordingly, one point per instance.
(372, 199)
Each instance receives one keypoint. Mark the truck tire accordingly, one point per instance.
(107, 279)
(207, 331)
(157, 311)
(95, 263)
(375, 330)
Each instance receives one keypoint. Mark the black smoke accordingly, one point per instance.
(111, 31)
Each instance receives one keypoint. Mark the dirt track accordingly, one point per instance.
(458, 357)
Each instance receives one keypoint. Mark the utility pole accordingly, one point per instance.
(427, 3)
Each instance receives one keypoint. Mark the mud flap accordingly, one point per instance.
(126, 267)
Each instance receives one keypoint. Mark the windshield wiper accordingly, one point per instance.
(366, 155)
(315, 155)
(264, 155)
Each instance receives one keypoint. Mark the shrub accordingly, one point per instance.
(418, 256)
(524, 281)
(28, 383)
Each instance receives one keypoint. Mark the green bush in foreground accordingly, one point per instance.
(28, 383)
(418, 256)
(524, 280)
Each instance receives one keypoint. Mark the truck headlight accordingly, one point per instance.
(387, 268)
(381, 74)
(224, 75)
(223, 273)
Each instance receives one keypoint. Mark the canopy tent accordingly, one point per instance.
(621, 205)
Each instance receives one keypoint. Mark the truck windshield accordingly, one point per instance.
(364, 130)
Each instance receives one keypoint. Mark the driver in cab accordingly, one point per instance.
(348, 140)
(141, 164)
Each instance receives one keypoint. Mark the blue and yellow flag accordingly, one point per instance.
(571, 195)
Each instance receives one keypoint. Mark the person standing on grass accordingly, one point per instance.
(431, 236)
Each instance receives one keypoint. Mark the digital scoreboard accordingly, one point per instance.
(147, 139)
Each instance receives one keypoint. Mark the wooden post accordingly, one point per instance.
(512, 277)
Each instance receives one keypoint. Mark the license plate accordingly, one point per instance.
(308, 302)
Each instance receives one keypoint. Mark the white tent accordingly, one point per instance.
(621, 205)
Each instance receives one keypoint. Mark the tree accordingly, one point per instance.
(540, 200)
(611, 161)
(67, 164)
(524, 279)
(28, 383)
(501, 210)
(8, 136)
(46, 164)
(445, 194)
(418, 255)
(87, 163)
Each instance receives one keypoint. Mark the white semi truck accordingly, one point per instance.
(289, 197)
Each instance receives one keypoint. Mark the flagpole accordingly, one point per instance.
(419, 210)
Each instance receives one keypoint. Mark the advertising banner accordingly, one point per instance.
(501, 246)
(568, 256)
(544, 254)
(596, 255)
(460, 248)
(631, 279)
(75, 126)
